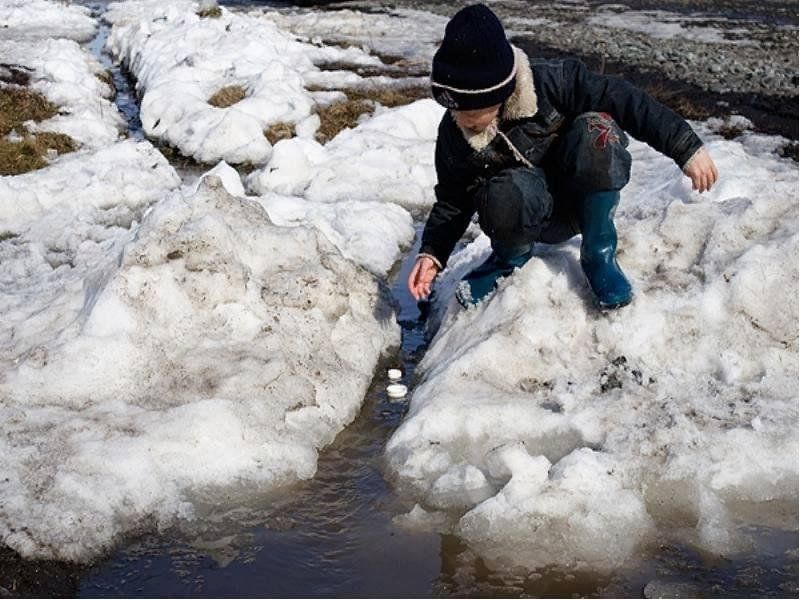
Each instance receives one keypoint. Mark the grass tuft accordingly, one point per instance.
(19, 104)
(279, 131)
(228, 96)
(215, 12)
(30, 151)
(342, 115)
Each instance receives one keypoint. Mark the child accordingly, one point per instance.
(537, 148)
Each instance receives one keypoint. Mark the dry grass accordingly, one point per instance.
(339, 116)
(18, 105)
(390, 97)
(363, 70)
(228, 96)
(279, 131)
(30, 153)
(215, 12)
(106, 77)
(342, 115)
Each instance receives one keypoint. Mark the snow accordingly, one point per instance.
(67, 75)
(217, 349)
(388, 158)
(559, 436)
(180, 60)
(32, 19)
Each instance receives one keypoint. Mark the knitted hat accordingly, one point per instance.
(474, 67)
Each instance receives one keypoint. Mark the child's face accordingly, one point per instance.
(476, 120)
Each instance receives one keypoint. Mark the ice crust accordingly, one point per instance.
(564, 437)
(30, 19)
(180, 60)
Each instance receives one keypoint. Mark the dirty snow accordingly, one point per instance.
(161, 345)
(560, 436)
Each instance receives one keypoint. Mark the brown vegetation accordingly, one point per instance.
(279, 131)
(215, 12)
(342, 115)
(30, 150)
(228, 96)
(338, 116)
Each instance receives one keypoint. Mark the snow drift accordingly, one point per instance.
(219, 350)
(560, 436)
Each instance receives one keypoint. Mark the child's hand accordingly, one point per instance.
(702, 171)
(421, 277)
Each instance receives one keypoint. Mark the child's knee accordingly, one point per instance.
(594, 154)
(514, 205)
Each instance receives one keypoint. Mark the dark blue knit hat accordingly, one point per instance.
(474, 67)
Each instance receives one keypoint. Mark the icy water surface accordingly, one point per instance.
(335, 536)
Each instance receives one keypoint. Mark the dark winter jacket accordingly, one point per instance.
(548, 96)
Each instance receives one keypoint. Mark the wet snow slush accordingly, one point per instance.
(334, 535)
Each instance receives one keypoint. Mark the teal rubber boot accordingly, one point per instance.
(483, 280)
(599, 248)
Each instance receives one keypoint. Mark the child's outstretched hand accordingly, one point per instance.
(702, 171)
(421, 277)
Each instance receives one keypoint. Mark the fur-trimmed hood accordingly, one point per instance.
(520, 105)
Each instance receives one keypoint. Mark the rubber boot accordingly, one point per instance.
(483, 280)
(599, 248)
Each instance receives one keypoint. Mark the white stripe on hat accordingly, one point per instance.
(483, 91)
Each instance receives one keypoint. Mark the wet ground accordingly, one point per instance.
(336, 536)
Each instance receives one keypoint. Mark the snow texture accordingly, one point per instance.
(31, 19)
(67, 75)
(562, 436)
(216, 350)
(181, 60)
(388, 158)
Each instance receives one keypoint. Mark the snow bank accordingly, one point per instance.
(67, 75)
(61, 228)
(26, 19)
(388, 158)
(560, 436)
(180, 60)
(217, 350)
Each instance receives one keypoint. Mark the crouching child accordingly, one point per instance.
(538, 150)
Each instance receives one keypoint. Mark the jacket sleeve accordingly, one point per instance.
(633, 109)
(453, 209)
